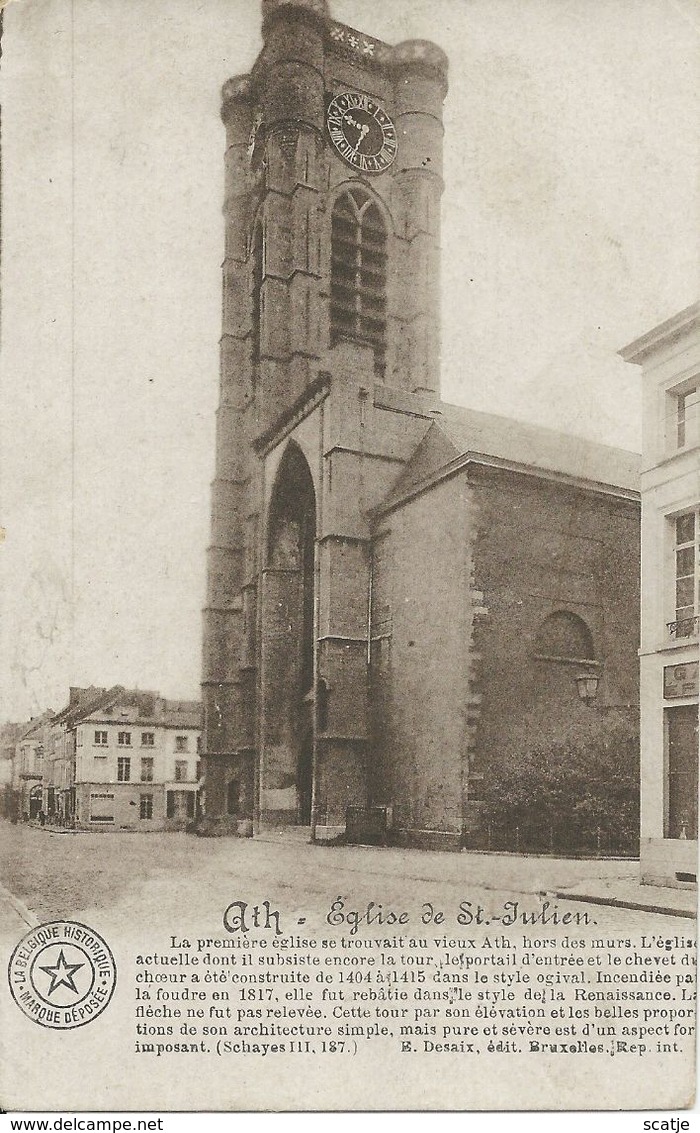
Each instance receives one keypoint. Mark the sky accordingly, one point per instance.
(569, 228)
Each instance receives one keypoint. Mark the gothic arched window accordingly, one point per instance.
(359, 272)
(564, 636)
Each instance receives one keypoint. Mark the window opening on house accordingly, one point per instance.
(147, 739)
(180, 770)
(181, 743)
(100, 739)
(123, 769)
(358, 306)
(124, 739)
(146, 806)
(146, 769)
(688, 417)
(564, 636)
(101, 807)
(180, 804)
(686, 558)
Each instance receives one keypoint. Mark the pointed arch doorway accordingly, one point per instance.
(288, 637)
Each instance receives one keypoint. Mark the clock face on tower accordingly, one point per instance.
(362, 133)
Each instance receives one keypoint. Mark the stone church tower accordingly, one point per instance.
(330, 293)
(396, 586)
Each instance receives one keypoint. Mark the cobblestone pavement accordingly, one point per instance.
(15, 918)
(63, 875)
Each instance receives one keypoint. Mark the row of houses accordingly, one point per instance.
(114, 758)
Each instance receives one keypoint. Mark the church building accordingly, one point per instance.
(394, 583)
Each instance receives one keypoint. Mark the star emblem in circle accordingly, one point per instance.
(61, 974)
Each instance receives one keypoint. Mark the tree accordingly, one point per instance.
(573, 785)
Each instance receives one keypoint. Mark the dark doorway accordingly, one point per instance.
(288, 642)
(233, 793)
(35, 801)
(682, 734)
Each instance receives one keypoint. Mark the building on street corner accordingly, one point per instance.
(120, 759)
(13, 789)
(28, 778)
(137, 761)
(670, 359)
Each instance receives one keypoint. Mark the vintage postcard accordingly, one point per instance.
(351, 555)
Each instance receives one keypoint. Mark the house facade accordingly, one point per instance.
(669, 356)
(10, 783)
(123, 759)
(28, 775)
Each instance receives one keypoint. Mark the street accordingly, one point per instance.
(66, 875)
(169, 904)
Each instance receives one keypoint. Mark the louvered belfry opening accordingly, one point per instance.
(359, 273)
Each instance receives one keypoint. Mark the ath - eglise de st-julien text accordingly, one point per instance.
(243, 916)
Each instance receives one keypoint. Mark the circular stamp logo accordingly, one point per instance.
(62, 974)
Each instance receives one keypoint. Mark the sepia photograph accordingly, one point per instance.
(349, 555)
